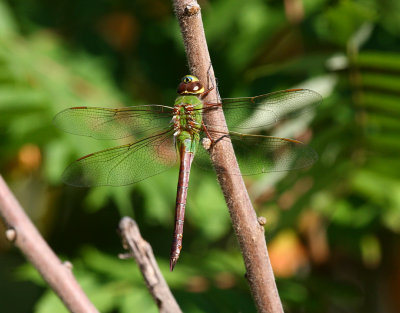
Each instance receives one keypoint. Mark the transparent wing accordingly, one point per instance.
(104, 123)
(260, 111)
(123, 165)
(258, 154)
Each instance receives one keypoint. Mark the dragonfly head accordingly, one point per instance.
(190, 85)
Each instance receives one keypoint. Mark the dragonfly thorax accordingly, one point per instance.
(187, 114)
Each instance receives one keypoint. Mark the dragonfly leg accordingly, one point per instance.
(207, 133)
(210, 80)
(205, 93)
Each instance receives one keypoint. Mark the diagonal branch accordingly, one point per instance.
(26, 237)
(143, 254)
(249, 232)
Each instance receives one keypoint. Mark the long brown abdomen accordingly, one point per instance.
(181, 196)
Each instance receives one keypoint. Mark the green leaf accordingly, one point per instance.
(339, 23)
(8, 27)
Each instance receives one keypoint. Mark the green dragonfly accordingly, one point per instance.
(164, 134)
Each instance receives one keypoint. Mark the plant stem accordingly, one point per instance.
(143, 254)
(249, 232)
(27, 238)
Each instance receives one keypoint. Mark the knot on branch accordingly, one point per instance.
(11, 234)
(262, 220)
(68, 265)
(192, 9)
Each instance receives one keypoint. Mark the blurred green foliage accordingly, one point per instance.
(333, 230)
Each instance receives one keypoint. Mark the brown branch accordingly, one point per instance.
(143, 254)
(249, 232)
(26, 237)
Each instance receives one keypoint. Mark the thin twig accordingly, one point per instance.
(143, 254)
(26, 237)
(249, 232)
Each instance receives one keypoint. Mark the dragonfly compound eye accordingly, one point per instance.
(187, 79)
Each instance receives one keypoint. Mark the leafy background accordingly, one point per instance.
(332, 230)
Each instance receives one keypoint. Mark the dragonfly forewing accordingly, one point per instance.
(104, 123)
(125, 164)
(259, 112)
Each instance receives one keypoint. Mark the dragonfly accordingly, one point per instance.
(165, 134)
